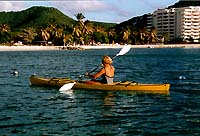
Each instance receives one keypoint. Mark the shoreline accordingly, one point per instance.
(107, 46)
(103, 46)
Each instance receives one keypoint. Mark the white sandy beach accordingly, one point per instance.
(27, 48)
(103, 46)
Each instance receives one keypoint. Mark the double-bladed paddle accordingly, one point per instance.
(123, 51)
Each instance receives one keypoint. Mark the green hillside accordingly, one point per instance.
(34, 17)
(135, 23)
(103, 24)
(185, 4)
(39, 16)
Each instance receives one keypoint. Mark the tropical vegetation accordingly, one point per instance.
(47, 25)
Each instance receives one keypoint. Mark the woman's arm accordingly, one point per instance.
(98, 74)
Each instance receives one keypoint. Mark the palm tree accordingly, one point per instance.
(165, 37)
(125, 35)
(56, 34)
(27, 35)
(88, 27)
(67, 39)
(4, 33)
(111, 34)
(4, 28)
(45, 34)
(143, 36)
(80, 17)
(153, 35)
(133, 37)
(77, 31)
(100, 29)
(80, 29)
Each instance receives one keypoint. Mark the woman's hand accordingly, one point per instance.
(87, 74)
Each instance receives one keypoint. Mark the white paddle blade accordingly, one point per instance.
(66, 87)
(124, 50)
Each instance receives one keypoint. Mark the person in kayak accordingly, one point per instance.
(107, 72)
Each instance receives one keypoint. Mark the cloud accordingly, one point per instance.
(98, 7)
(11, 5)
(158, 4)
(80, 6)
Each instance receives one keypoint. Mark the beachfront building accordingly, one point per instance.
(188, 23)
(178, 22)
(149, 22)
(164, 21)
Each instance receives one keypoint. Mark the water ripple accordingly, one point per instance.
(27, 110)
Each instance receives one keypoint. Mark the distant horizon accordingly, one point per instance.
(108, 11)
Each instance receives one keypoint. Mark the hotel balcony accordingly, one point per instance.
(187, 24)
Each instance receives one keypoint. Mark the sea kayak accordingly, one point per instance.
(117, 86)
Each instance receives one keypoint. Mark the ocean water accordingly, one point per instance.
(27, 110)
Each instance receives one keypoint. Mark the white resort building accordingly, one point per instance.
(178, 22)
(188, 23)
(164, 21)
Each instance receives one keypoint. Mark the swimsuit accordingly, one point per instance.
(107, 79)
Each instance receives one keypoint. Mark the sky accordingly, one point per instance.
(111, 11)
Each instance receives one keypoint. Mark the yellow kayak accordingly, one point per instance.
(117, 86)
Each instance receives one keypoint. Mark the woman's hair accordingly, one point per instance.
(106, 59)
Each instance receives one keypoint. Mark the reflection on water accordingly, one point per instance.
(108, 100)
(69, 93)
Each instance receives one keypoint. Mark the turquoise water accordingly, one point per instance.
(26, 110)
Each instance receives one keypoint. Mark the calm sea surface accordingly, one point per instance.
(26, 110)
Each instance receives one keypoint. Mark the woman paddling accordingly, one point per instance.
(107, 72)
